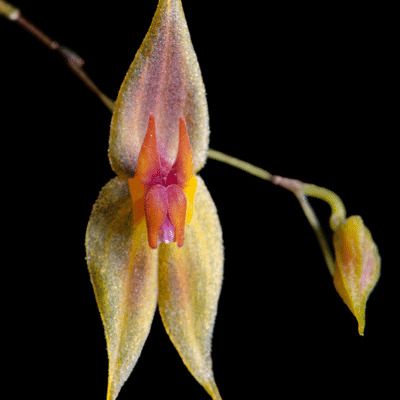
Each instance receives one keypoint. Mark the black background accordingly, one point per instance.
(303, 91)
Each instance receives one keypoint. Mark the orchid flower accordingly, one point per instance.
(154, 236)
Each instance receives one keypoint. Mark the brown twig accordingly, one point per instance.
(73, 60)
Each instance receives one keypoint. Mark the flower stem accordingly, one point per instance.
(301, 190)
(8, 10)
(73, 60)
(319, 233)
(338, 210)
(240, 164)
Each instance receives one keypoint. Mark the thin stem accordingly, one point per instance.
(240, 164)
(73, 60)
(338, 210)
(36, 33)
(76, 67)
(8, 10)
(319, 233)
(299, 189)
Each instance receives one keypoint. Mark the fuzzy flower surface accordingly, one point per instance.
(154, 237)
(357, 267)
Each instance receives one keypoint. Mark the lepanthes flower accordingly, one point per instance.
(154, 237)
(357, 266)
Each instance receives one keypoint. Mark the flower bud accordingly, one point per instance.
(357, 266)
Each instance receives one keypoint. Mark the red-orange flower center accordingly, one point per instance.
(162, 193)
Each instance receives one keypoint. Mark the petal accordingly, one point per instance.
(156, 208)
(123, 271)
(149, 159)
(183, 166)
(190, 280)
(164, 79)
(148, 170)
(177, 204)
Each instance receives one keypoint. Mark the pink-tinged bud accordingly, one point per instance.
(357, 266)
